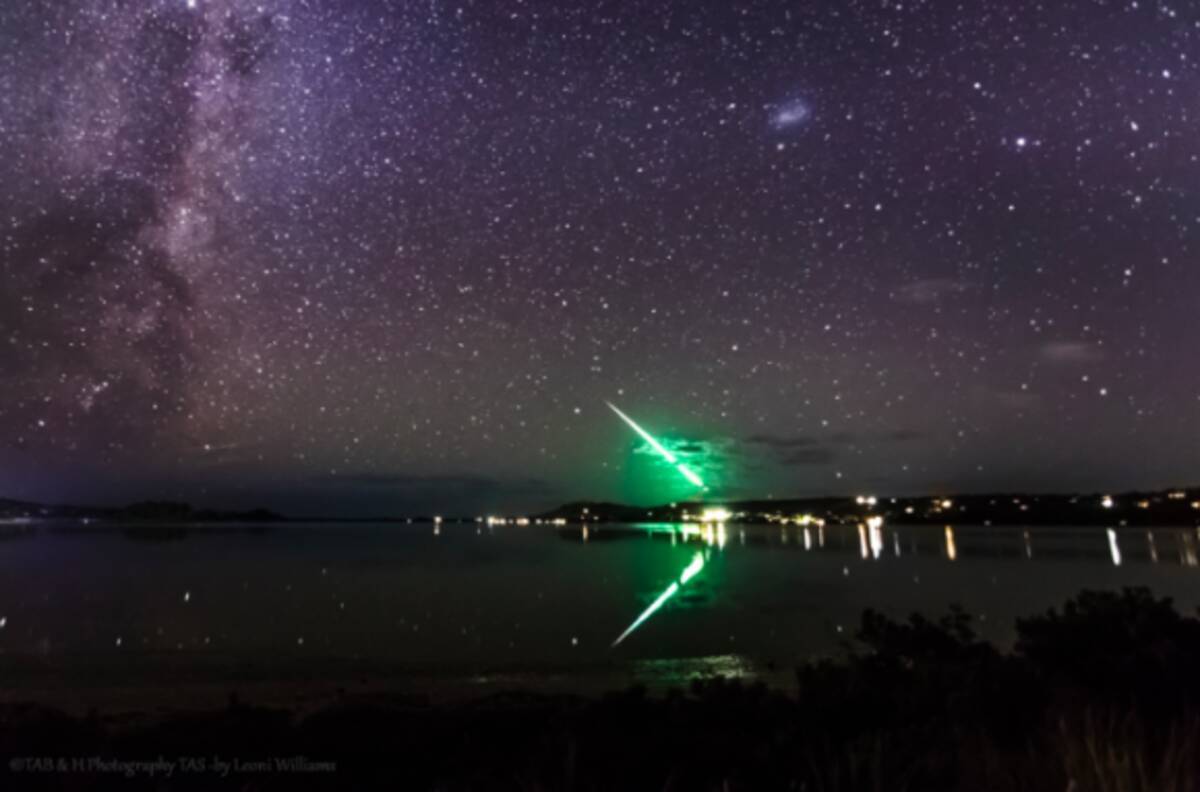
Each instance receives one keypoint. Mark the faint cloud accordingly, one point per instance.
(223, 454)
(790, 442)
(1015, 400)
(1071, 352)
(797, 450)
(781, 442)
(802, 457)
(433, 485)
(801, 450)
(687, 448)
(930, 290)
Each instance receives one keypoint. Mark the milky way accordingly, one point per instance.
(366, 256)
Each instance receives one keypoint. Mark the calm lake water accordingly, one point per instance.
(469, 601)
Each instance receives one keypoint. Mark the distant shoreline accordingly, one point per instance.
(1179, 506)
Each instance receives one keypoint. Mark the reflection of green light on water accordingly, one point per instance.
(689, 572)
(671, 591)
(692, 568)
(687, 472)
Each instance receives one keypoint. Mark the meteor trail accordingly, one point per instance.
(689, 572)
(683, 469)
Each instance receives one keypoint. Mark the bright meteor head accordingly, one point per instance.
(690, 475)
(683, 469)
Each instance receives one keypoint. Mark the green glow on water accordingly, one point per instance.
(692, 569)
(689, 572)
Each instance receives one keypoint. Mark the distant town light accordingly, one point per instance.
(717, 515)
(1107, 502)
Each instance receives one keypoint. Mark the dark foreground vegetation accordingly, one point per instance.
(1102, 694)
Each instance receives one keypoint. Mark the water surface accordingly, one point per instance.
(89, 604)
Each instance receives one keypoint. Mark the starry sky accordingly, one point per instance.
(376, 257)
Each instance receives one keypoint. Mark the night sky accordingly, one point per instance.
(367, 257)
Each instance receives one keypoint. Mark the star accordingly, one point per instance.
(298, 255)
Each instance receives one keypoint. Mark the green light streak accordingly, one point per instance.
(683, 469)
(688, 573)
(657, 446)
(690, 476)
(671, 591)
(692, 569)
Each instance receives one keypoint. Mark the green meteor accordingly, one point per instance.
(683, 469)
(688, 573)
